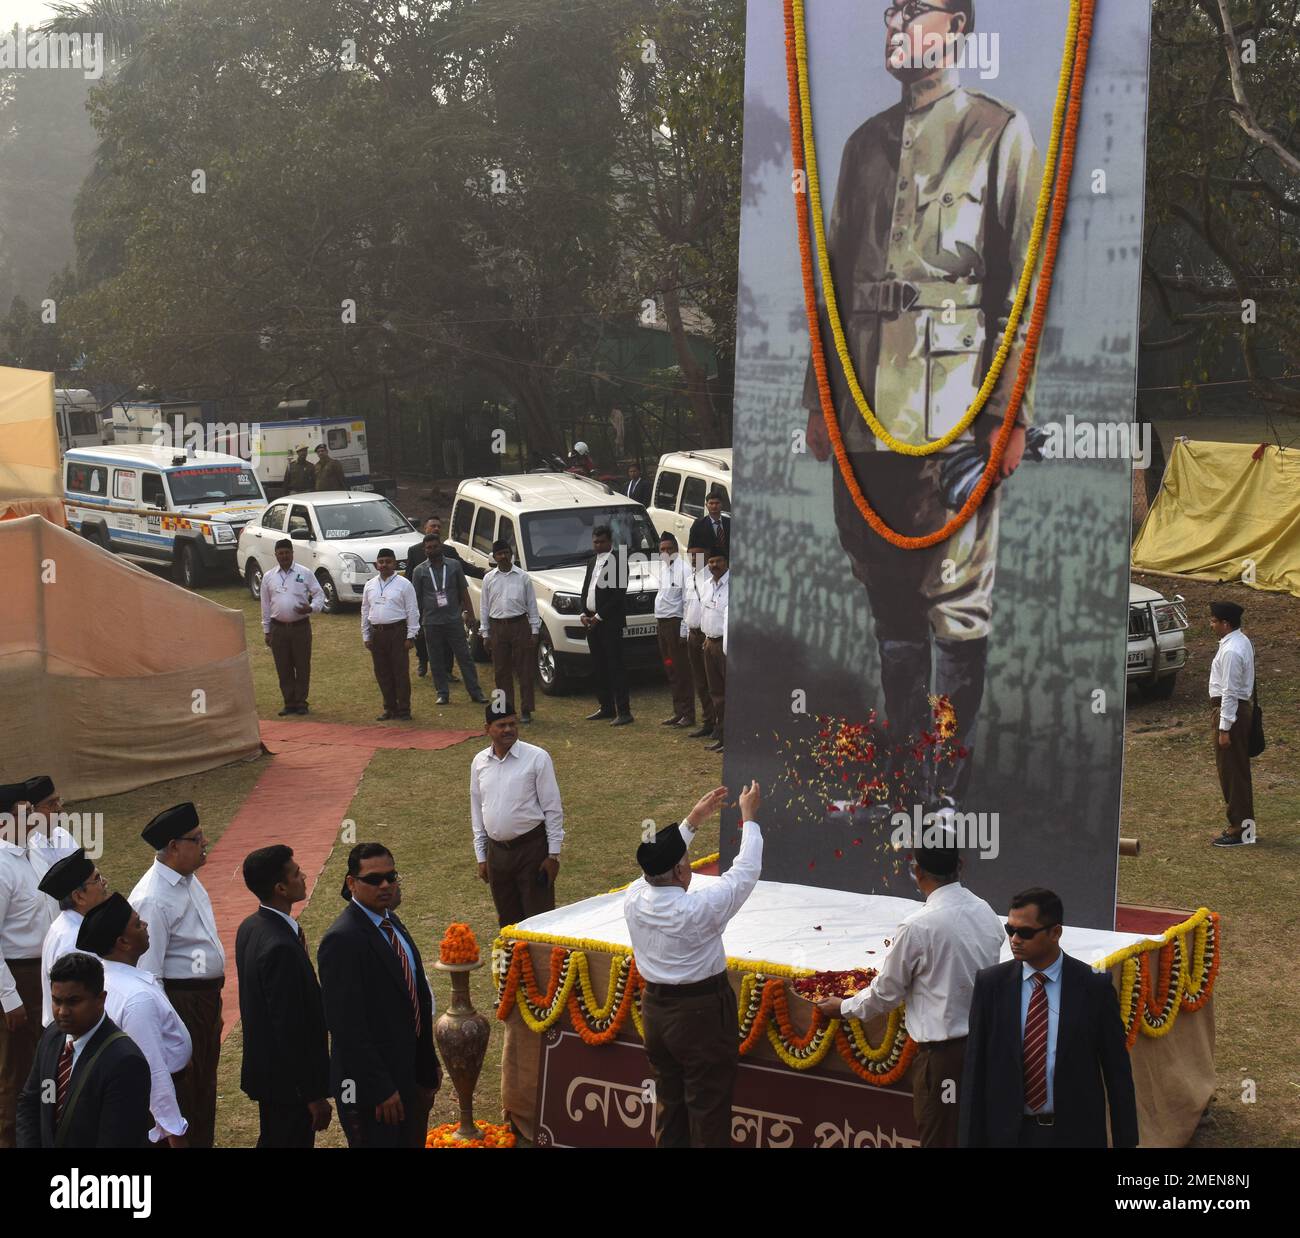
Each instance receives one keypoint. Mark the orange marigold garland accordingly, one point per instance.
(495, 1135)
(459, 945)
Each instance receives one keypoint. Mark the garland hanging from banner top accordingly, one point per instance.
(1080, 36)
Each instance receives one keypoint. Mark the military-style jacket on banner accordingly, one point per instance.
(935, 203)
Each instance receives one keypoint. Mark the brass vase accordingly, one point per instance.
(461, 1034)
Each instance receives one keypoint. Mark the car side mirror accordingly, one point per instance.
(301, 535)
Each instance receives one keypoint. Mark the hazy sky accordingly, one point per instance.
(24, 12)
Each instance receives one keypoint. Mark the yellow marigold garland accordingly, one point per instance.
(1027, 275)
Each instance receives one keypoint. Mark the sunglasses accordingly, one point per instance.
(379, 879)
(910, 12)
(1027, 933)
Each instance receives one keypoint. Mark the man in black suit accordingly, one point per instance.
(638, 487)
(286, 1045)
(383, 1069)
(89, 1084)
(414, 557)
(712, 531)
(604, 612)
(1045, 1036)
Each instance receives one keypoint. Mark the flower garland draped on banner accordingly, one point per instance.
(1158, 978)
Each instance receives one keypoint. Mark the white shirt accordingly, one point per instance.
(931, 965)
(677, 934)
(60, 940)
(713, 618)
(598, 577)
(507, 595)
(82, 1041)
(510, 795)
(288, 919)
(694, 596)
(670, 598)
(25, 917)
(1232, 675)
(389, 601)
(183, 939)
(284, 590)
(137, 1004)
(1052, 990)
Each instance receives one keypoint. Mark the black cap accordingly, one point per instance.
(1228, 611)
(11, 795)
(66, 875)
(41, 787)
(104, 924)
(658, 857)
(495, 713)
(940, 857)
(170, 823)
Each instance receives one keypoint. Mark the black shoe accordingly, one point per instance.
(623, 720)
(442, 700)
(683, 723)
(705, 732)
(599, 714)
(673, 721)
(302, 709)
(1229, 839)
(386, 717)
(479, 700)
(422, 670)
(403, 717)
(525, 717)
(714, 747)
(287, 710)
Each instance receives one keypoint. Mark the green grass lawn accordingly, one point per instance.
(611, 780)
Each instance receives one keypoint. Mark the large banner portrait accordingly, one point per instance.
(940, 275)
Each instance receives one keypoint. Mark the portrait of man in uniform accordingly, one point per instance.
(927, 240)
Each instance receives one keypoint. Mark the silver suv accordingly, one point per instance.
(1156, 648)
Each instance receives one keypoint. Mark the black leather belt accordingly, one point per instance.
(511, 619)
(695, 989)
(510, 843)
(397, 623)
(1040, 1119)
(291, 623)
(211, 983)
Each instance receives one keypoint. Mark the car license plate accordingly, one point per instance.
(643, 629)
(1137, 659)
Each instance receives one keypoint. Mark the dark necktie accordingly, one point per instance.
(407, 974)
(1035, 1065)
(62, 1079)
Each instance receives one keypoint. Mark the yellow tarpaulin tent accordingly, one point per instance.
(1222, 514)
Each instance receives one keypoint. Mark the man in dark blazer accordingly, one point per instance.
(1046, 1050)
(712, 531)
(604, 613)
(89, 1084)
(638, 487)
(414, 557)
(383, 1069)
(286, 1065)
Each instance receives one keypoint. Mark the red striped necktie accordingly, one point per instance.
(1036, 1045)
(407, 974)
(63, 1078)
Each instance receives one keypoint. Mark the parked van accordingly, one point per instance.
(274, 444)
(683, 481)
(548, 518)
(180, 510)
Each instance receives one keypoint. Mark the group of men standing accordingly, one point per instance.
(301, 476)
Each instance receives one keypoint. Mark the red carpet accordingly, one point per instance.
(300, 801)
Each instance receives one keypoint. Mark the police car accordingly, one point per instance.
(162, 507)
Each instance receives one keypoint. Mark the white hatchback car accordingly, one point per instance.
(336, 533)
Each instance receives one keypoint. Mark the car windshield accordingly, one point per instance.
(371, 518)
(216, 483)
(563, 538)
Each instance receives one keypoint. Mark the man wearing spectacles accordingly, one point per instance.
(1045, 1034)
(931, 966)
(76, 885)
(384, 1072)
(927, 240)
(186, 954)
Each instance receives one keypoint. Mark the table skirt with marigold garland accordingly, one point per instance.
(574, 1072)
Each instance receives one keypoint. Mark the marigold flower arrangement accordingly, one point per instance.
(459, 945)
(494, 1134)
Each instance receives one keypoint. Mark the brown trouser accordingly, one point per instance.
(1233, 764)
(700, 674)
(715, 665)
(936, 1085)
(512, 877)
(677, 666)
(392, 665)
(18, 1049)
(692, 1038)
(198, 1002)
(291, 649)
(514, 657)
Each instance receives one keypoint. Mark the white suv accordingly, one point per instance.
(1157, 650)
(683, 480)
(336, 533)
(548, 518)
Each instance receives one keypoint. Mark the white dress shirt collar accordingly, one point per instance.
(288, 919)
(82, 1041)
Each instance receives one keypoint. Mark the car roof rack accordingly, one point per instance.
(595, 481)
(704, 455)
(514, 494)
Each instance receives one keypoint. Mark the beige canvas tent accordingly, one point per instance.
(29, 446)
(112, 678)
(1226, 511)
